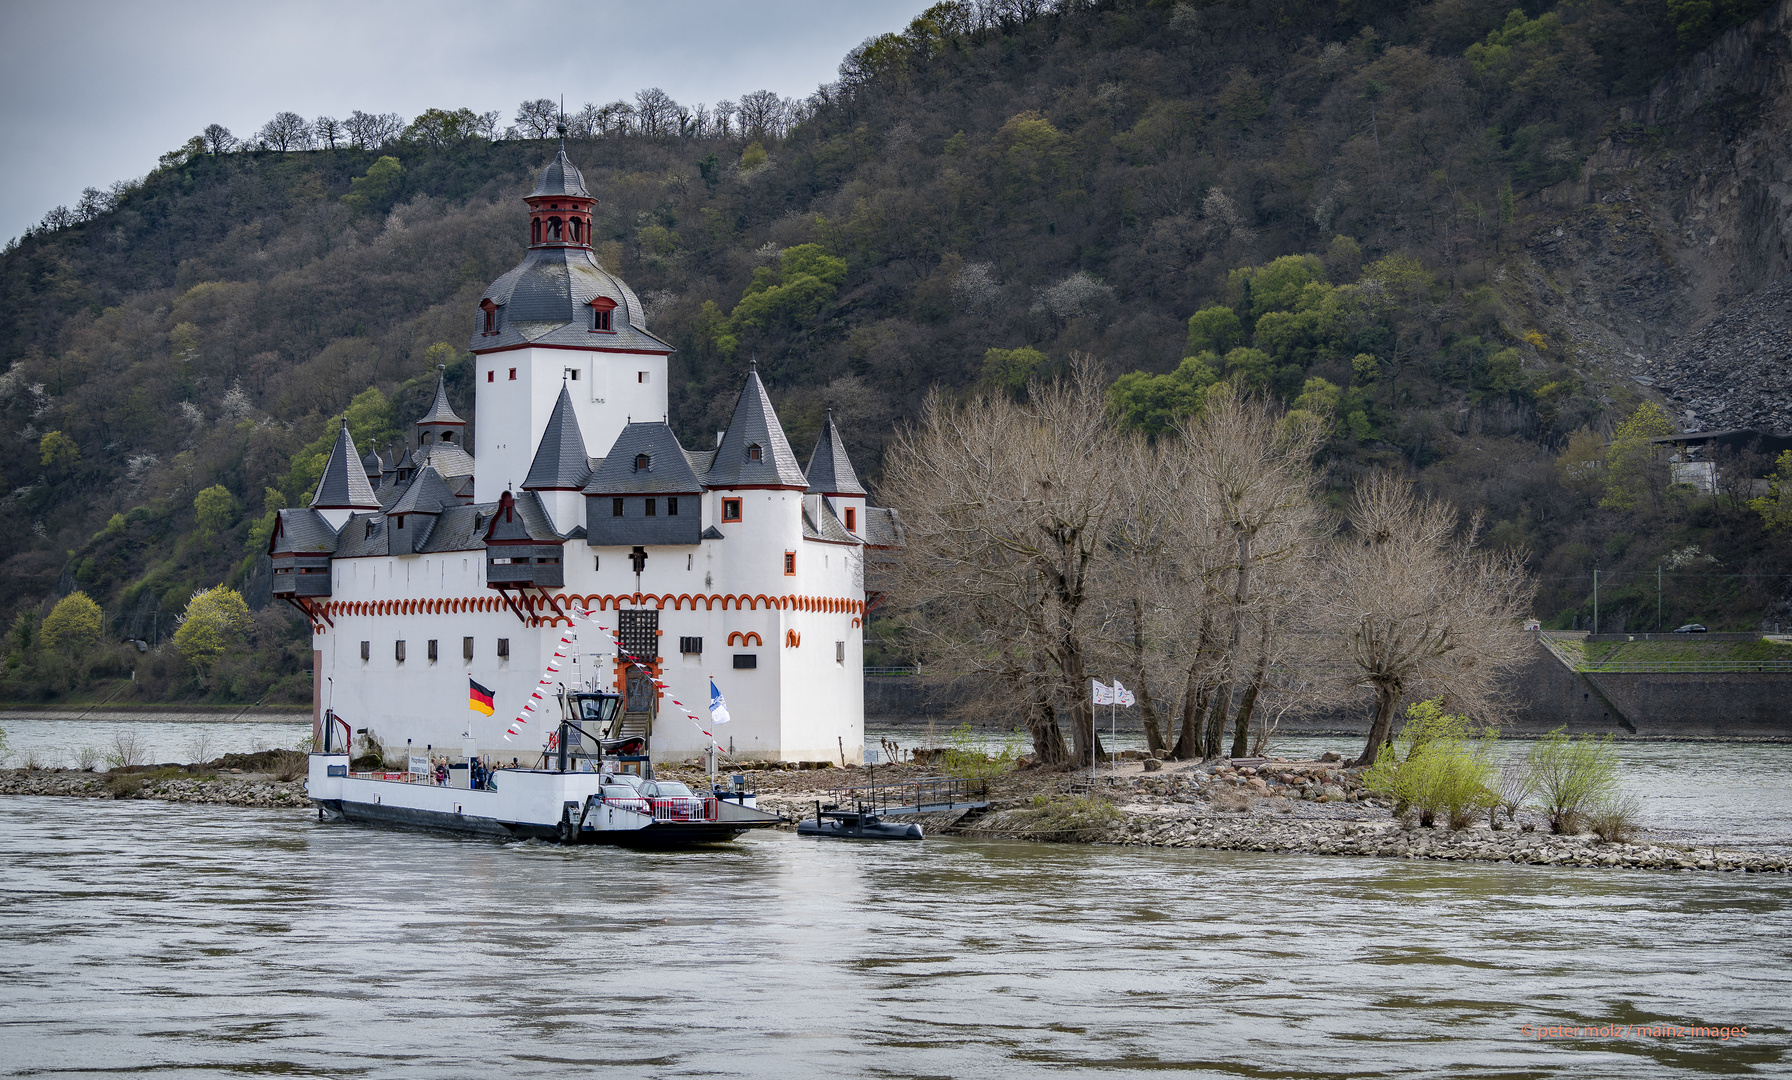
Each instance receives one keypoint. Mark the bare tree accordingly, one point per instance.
(762, 115)
(328, 130)
(370, 131)
(585, 124)
(725, 111)
(218, 139)
(1006, 509)
(485, 124)
(656, 114)
(1254, 476)
(536, 119)
(1417, 612)
(286, 131)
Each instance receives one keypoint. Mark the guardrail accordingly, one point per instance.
(870, 671)
(1580, 664)
(1671, 666)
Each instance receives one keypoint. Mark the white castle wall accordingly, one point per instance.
(608, 392)
(800, 703)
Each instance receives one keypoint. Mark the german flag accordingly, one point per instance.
(479, 699)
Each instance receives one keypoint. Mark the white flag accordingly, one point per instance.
(1104, 694)
(1122, 696)
(718, 706)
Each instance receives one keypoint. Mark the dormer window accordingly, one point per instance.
(641, 462)
(448, 436)
(491, 316)
(600, 315)
(754, 452)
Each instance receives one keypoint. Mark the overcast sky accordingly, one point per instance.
(95, 92)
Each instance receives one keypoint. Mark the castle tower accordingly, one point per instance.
(559, 319)
(343, 488)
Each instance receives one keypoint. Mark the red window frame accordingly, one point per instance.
(790, 564)
(730, 509)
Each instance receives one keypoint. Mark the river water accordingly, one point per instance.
(149, 938)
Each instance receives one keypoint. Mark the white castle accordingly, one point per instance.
(420, 570)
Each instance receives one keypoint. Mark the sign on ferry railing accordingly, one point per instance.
(420, 766)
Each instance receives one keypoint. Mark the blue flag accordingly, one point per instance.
(718, 708)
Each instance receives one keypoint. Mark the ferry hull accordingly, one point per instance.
(524, 804)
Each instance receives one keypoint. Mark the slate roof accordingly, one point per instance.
(668, 470)
(827, 528)
(561, 178)
(440, 412)
(545, 300)
(344, 486)
(755, 423)
(427, 494)
(372, 466)
(561, 461)
(448, 459)
(302, 532)
(883, 528)
(700, 461)
(830, 471)
(363, 535)
(459, 528)
(531, 515)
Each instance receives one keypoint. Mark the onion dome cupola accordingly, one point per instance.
(754, 451)
(560, 295)
(343, 488)
(560, 207)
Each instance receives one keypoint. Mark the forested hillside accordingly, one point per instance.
(1449, 229)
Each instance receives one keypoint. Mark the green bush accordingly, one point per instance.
(1614, 818)
(1575, 776)
(1437, 765)
(966, 758)
(1067, 818)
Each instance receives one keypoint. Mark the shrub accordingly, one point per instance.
(1574, 776)
(87, 759)
(1614, 818)
(128, 751)
(1437, 765)
(1515, 786)
(1068, 818)
(967, 759)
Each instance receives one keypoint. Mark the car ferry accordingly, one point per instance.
(593, 786)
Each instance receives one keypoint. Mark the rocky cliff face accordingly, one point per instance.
(1667, 260)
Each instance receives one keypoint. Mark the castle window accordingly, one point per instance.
(643, 377)
(839, 652)
(672, 507)
(503, 648)
(690, 645)
(575, 230)
(466, 648)
(432, 650)
(366, 651)
(852, 519)
(730, 509)
(790, 564)
(641, 462)
(745, 661)
(512, 374)
(535, 231)
(651, 503)
(573, 374)
(400, 520)
(601, 307)
(554, 228)
(448, 436)
(398, 653)
(615, 507)
(491, 376)
(754, 452)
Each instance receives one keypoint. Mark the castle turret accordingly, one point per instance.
(558, 321)
(831, 477)
(561, 465)
(343, 488)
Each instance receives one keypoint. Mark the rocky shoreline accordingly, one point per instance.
(1311, 808)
